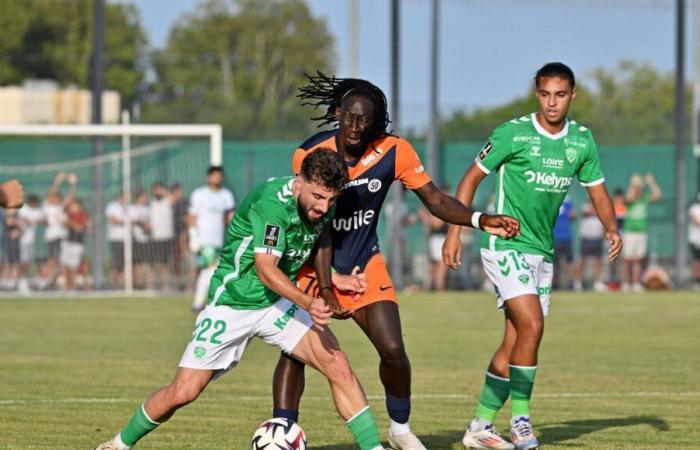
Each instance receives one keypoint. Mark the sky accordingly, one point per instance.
(489, 49)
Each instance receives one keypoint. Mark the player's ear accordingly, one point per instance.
(573, 93)
(337, 113)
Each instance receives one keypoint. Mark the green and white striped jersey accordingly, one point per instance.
(534, 170)
(267, 221)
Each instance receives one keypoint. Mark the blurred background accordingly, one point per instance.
(452, 70)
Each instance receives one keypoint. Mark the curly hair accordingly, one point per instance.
(330, 92)
(325, 166)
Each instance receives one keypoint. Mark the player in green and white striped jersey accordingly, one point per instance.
(252, 293)
(535, 159)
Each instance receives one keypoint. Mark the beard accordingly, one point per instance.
(304, 210)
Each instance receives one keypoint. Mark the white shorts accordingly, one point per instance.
(515, 274)
(435, 247)
(71, 254)
(26, 252)
(635, 245)
(221, 333)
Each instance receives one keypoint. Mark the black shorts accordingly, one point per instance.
(54, 248)
(695, 251)
(12, 251)
(141, 250)
(592, 247)
(562, 249)
(116, 249)
(162, 251)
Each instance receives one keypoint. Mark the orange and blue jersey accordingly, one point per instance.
(386, 159)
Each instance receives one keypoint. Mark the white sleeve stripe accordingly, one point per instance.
(482, 167)
(593, 183)
(269, 251)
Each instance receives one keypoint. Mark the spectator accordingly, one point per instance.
(162, 226)
(73, 246)
(437, 231)
(620, 213)
(636, 228)
(592, 234)
(140, 223)
(12, 233)
(11, 194)
(30, 215)
(116, 235)
(211, 209)
(694, 239)
(54, 210)
(180, 207)
(562, 242)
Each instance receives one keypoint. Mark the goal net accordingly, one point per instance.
(105, 206)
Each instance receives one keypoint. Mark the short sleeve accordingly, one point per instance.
(496, 151)
(589, 174)
(409, 169)
(194, 203)
(268, 223)
(230, 201)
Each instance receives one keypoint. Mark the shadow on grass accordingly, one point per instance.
(557, 432)
(437, 441)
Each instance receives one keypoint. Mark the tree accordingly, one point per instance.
(632, 104)
(240, 63)
(52, 39)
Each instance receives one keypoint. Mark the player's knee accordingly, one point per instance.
(336, 367)
(394, 354)
(531, 329)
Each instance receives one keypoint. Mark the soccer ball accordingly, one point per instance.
(279, 434)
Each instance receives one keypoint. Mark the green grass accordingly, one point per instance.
(615, 372)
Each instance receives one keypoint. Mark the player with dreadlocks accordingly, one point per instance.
(374, 158)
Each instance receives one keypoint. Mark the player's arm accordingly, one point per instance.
(11, 194)
(653, 187)
(452, 246)
(272, 277)
(72, 187)
(322, 267)
(605, 210)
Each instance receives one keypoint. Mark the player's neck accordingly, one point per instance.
(550, 127)
(214, 188)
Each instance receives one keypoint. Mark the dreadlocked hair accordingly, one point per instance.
(330, 92)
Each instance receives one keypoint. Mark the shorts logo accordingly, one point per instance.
(524, 279)
(272, 235)
(199, 352)
(505, 267)
(571, 155)
(374, 185)
(485, 151)
(286, 317)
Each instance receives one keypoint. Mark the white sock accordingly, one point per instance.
(399, 428)
(118, 440)
(202, 287)
(378, 448)
(478, 424)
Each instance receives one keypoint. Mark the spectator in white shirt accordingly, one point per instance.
(116, 234)
(592, 236)
(162, 225)
(211, 209)
(694, 238)
(140, 216)
(30, 215)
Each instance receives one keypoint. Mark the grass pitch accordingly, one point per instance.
(615, 372)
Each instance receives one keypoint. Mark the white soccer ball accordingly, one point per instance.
(279, 434)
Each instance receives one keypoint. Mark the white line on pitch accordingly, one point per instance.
(67, 401)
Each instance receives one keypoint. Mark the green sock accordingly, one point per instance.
(522, 380)
(139, 426)
(364, 430)
(493, 397)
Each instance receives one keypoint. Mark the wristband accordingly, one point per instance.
(475, 219)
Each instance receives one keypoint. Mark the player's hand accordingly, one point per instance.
(320, 312)
(504, 226)
(615, 242)
(72, 179)
(452, 252)
(337, 311)
(355, 283)
(11, 194)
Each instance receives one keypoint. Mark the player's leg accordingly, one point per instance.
(287, 387)
(320, 349)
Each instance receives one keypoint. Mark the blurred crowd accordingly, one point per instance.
(44, 242)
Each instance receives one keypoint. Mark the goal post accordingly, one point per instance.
(175, 153)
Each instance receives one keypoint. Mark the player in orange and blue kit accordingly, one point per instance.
(374, 159)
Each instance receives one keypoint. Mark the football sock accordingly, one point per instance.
(493, 397)
(522, 380)
(399, 428)
(364, 429)
(289, 414)
(399, 409)
(202, 287)
(139, 426)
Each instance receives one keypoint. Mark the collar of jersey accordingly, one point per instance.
(545, 133)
